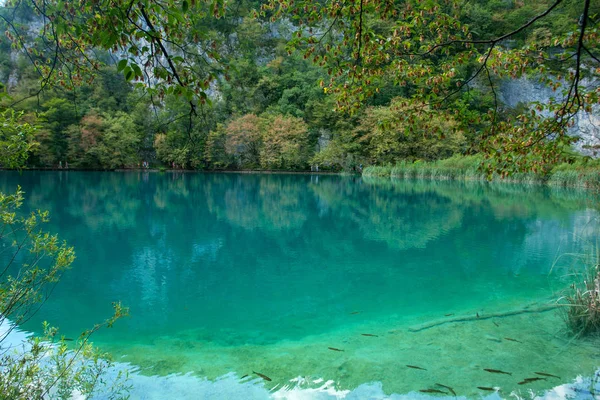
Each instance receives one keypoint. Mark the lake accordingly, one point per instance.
(320, 280)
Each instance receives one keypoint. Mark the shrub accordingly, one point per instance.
(41, 367)
(582, 311)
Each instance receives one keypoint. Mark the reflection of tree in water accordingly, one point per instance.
(531, 219)
(508, 201)
(124, 242)
(112, 200)
(268, 202)
(399, 216)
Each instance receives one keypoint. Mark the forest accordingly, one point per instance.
(269, 99)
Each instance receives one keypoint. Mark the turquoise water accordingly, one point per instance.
(234, 273)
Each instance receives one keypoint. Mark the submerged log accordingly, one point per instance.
(477, 317)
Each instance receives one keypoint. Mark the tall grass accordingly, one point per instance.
(457, 167)
(378, 171)
(580, 174)
(467, 168)
(582, 303)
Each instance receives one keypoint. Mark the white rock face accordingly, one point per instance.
(587, 125)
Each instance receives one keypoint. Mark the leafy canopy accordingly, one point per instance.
(435, 55)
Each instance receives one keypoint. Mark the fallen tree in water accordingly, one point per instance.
(477, 316)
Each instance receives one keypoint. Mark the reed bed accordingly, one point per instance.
(579, 174)
(584, 174)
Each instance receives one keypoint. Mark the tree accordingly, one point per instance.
(16, 140)
(120, 142)
(244, 140)
(389, 138)
(285, 143)
(59, 115)
(214, 152)
(84, 140)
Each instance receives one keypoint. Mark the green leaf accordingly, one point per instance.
(121, 65)
(128, 72)
(136, 69)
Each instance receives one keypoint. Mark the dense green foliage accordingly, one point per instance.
(212, 85)
(16, 140)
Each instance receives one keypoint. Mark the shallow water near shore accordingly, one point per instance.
(309, 279)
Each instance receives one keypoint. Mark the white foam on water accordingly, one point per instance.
(231, 387)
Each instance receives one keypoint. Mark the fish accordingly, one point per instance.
(447, 387)
(334, 349)
(432, 391)
(477, 314)
(415, 367)
(489, 389)
(497, 371)
(495, 323)
(523, 382)
(546, 374)
(66, 339)
(355, 312)
(512, 340)
(243, 376)
(266, 378)
(529, 380)
(369, 334)
(448, 315)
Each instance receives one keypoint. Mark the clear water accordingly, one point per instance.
(235, 273)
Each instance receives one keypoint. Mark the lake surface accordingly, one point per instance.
(227, 274)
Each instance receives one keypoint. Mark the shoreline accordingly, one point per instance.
(473, 180)
(199, 171)
(538, 181)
